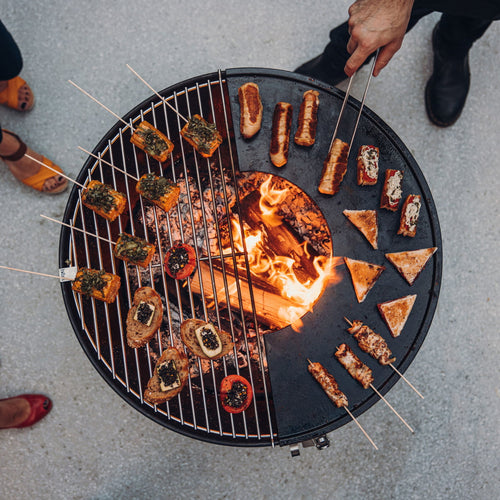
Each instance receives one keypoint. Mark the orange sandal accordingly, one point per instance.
(37, 180)
(10, 95)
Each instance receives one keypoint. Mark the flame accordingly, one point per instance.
(279, 270)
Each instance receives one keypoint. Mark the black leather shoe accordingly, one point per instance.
(448, 86)
(320, 69)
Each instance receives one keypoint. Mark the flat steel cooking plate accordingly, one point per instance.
(289, 406)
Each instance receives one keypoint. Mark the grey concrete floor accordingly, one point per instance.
(93, 444)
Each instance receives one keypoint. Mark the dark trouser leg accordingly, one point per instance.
(11, 61)
(448, 86)
(329, 66)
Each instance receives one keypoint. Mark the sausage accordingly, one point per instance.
(308, 119)
(250, 109)
(328, 383)
(280, 139)
(334, 168)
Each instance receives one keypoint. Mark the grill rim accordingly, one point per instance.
(159, 416)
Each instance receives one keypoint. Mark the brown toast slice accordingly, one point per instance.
(396, 312)
(154, 393)
(139, 334)
(367, 223)
(411, 263)
(188, 336)
(363, 275)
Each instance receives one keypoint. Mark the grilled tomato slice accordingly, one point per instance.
(180, 261)
(235, 393)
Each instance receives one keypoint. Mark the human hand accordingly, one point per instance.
(376, 24)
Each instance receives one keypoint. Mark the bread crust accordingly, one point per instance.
(395, 313)
(250, 109)
(411, 263)
(188, 336)
(153, 393)
(308, 119)
(139, 334)
(367, 223)
(280, 136)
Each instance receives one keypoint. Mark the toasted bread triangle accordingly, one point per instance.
(411, 263)
(367, 222)
(363, 276)
(396, 312)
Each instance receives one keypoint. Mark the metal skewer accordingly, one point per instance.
(397, 371)
(161, 97)
(355, 420)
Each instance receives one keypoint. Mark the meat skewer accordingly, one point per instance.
(363, 374)
(376, 346)
(330, 386)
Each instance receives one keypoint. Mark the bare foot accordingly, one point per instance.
(26, 99)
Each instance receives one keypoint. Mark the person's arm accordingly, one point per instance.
(376, 24)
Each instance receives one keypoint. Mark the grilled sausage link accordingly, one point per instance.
(371, 342)
(334, 168)
(280, 139)
(250, 109)
(356, 368)
(328, 383)
(308, 119)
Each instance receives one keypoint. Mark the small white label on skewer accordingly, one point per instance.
(68, 273)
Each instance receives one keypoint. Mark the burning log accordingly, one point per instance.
(269, 304)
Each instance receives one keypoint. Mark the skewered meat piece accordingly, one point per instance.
(371, 342)
(203, 136)
(328, 383)
(356, 368)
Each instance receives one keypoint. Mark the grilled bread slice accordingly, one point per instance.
(396, 312)
(367, 222)
(363, 276)
(411, 263)
(155, 393)
(142, 321)
(190, 339)
(250, 109)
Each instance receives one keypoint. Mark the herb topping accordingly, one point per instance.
(236, 396)
(178, 259)
(91, 280)
(131, 247)
(202, 132)
(154, 187)
(209, 339)
(153, 143)
(100, 197)
(168, 373)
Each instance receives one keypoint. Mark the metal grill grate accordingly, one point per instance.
(101, 327)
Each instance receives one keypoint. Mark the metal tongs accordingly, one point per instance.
(361, 107)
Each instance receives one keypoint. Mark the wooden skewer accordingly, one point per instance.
(161, 97)
(390, 406)
(33, 272)
(108, 163)
(54, 170)
(398, 372)
(356, 421)
(77, 229)
(101, 104)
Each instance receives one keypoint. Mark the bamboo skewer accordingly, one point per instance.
(54, 170)
(391, 407)
(160, 96)
(101, 104)
(78, 229)
(398, 372)
(108, 163)
(356, 421)
(34, 272)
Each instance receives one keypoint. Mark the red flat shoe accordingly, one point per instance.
(40, 405)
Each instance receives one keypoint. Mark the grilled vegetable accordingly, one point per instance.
(104, 200)
(180, 261)
(152, 141)
(235, 393)
(203, 136)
